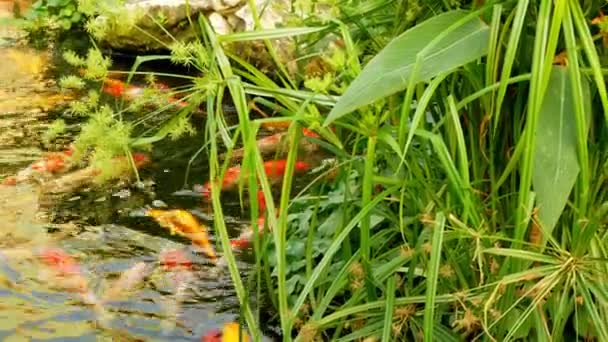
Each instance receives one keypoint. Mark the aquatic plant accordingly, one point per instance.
(47, 17)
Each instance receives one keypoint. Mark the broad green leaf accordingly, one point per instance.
(441, 43)
(555, 159)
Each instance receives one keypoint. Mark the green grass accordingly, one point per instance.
(470, 197)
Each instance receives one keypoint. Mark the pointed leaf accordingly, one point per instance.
(555, 160)
(442, 43)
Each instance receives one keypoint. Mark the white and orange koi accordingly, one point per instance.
(127, 281)
(178, 268)
(66, 273)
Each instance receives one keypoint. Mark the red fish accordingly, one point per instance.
(140, 159)
(66, 269)
(274, 169)
(308, 133)
(279, 143)
(74, 180)
(212, 336)
(10, 181)
(118, 88)
(59, 260)
(261, 202)
(53, 163)
(231, 332)
(244, 240)
(174, 259)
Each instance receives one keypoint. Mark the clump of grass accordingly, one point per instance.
(468, 202)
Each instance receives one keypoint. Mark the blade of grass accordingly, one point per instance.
(588, 46)
(265, 34)
(366, 196)
(387, 328)
(220, 227)
(581, 109)
(432, 276)
(507, 64)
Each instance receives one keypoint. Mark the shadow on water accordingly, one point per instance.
(103, 229)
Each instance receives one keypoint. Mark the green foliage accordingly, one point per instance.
(54, 130)
(468, 191)
(71, 82)
(47, 16)
(439, 44)
(555, 160)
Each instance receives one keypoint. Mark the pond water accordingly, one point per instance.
(103, 230)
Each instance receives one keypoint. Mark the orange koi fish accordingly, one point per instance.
(185, 224)
(232, 332)
(274, 169)
(276, 125)
(283, 125)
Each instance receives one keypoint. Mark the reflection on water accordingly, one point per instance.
(101, 231)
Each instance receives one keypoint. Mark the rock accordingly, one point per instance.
(124, 29)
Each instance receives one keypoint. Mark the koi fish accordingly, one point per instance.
(274, 170)
(283, 125)
(278, 143)
(66, 271)
(178, 265)
(245, 238)
(127, 281)
(213, 336)
(52, 163)
(67, 274)
(231, 332)
(120, 89)
(261, 202)
(276, 125)
(82, 177)
(185, 224)
(178, 268)
(174, 259)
